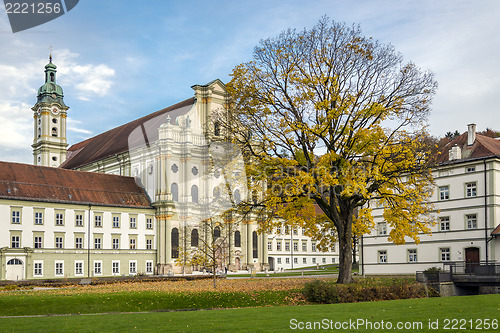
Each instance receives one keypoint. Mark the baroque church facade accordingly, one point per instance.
(135, 199)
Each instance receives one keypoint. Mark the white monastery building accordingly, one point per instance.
(467, 202)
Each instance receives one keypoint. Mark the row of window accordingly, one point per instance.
(304, 260)
(412, 257)
(470, 191)
(444, 224)
(79, 219)
(174, 240)
(279, 246)
(470, 222)
(97, 267)
(79, 242)
(174, 190)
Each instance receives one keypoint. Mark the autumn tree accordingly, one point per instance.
(332, 120)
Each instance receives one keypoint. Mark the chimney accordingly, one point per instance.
(455, 153)
(471, 134)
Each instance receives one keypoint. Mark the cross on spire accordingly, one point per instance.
(50, 53)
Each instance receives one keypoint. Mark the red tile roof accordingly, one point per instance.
(119, 140)
(36, 183)
(483, 146)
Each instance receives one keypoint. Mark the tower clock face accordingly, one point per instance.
(55, 111)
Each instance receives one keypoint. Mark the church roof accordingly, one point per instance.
(119, 140)
(483, 146)
(37, 183)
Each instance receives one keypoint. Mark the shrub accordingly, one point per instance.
(321, 292)
(363, 291)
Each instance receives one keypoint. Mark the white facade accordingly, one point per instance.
(43, 240)
(467, 203)
(291, 249)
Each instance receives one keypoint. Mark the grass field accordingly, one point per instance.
(417, 313)
(274, 303)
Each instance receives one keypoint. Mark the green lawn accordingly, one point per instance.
(278, 319)
(19, 303)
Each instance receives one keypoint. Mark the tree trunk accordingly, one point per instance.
(345, 253)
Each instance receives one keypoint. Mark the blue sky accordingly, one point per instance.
(120, 60)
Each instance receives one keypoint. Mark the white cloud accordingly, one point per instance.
(73, 126)
(89, 79)
(16, 132)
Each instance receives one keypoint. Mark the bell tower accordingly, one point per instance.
(49, 141)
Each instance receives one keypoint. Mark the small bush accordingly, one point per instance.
(363, 291)
(433, 270)
(321, 292)
(10, 287)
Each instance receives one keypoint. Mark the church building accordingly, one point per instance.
(143, 197)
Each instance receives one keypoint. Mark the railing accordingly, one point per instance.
(477, 269)
(459, 269)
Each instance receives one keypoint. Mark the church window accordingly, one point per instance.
(237, 197)
(174, 168)
(194, 193)
(216, 233)
(254, 245)
(175, 242)
(39, 133)
(52, 77)
(54, 158)
(174, 189)
(216, 192)
(217, 174)
(150, 168)
(194, 237)
(217, 128)
(54, 131)
(194, 170)
(54, 120)
(237, 239)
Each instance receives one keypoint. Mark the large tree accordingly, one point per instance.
(333, 122)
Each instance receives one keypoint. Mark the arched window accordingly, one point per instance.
(52, 77)
(217, 128)
(174, 189)
(237, 239)
(174, 241)
(54, 131)
(216, 233)
(194, 237)
(14, 262)
(194, 193)
(216, 192)
(237, 197)
(254, 245)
